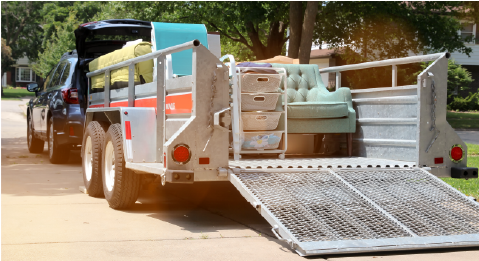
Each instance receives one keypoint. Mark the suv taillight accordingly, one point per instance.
(70, 95)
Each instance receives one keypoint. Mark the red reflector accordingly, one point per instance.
(164, 161)
(72, 132)
(127, 130)
(181, 154)
(438, 160)
(204, 160)
(456, 153)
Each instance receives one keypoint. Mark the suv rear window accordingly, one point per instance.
(56, 75)
(66, 73)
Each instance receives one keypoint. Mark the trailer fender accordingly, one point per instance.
(138, 127)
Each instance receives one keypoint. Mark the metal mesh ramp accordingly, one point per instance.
(357, 210)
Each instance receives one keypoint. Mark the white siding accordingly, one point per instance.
(23, 61)
(214, 44)
(322, 63)
(462, 58)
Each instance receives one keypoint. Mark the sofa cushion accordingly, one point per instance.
(317, 110)
(302, 79)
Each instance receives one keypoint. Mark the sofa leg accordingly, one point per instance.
(350, 144)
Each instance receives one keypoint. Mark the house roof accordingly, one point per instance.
(324, 53)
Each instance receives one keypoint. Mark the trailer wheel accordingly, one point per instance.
(120, 185)
(92, 147)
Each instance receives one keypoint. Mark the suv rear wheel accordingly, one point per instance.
(34, 145)
(58, 154)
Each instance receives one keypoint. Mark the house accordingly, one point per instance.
(20, 74)
(470, 63)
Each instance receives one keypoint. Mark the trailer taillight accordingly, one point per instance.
(456, 153)
(181, 154)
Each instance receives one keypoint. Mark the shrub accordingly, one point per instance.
(471, 102)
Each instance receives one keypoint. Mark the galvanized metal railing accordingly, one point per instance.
(389, 62)
(131, 69)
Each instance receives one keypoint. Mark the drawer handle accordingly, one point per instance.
(261, 117)
(259, 99)
(262, 79)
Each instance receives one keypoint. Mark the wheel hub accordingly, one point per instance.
(88, 158)
(109, 166)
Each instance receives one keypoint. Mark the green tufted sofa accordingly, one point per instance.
(312, 108)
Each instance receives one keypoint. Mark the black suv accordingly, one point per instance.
(57, 113)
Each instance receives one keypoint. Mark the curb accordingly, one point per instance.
(24, 109)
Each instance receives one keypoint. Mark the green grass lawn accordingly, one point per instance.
(469, 187)
(16, 94)
(463, 120)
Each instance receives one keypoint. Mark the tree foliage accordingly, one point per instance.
(258, 27)
(21, 28)
(59, 20)
(6, 55)
(381, 30)
(62, 40)
(54, 14)
(6, 58)
(254, 30)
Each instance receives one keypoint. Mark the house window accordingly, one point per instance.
(468, 30)
(25, 75)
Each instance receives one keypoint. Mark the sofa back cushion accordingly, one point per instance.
(304, 82)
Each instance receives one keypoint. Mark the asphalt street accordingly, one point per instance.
(469, 136)
(45, 217)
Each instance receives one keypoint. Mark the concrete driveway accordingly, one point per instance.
(45, 217)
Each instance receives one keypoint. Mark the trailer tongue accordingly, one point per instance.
(333, 211)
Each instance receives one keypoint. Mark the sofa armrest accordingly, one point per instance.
(341, 95)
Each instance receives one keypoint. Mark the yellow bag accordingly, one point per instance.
(119, 77)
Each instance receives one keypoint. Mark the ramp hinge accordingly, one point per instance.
(275, 231)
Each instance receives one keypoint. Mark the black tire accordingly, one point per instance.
(92, 177)
(58, 154)
(121, 187)
(35, 145)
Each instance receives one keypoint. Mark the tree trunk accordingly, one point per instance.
(307, 32)
(295, 23)
(274, 43)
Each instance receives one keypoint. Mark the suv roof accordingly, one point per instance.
(71, 54)
(122, 27)
(115, 23)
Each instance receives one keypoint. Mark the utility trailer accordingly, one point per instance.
(386, 197)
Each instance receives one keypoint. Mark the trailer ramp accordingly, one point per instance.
(333, 211)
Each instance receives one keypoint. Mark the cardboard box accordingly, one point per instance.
(300, 143)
